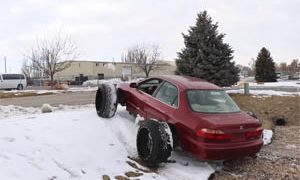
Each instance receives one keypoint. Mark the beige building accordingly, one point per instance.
(83, 70)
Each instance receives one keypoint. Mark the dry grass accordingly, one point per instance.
(268, 108)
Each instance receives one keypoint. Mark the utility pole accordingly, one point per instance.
(5, 63)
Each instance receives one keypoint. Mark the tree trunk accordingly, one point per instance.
(147, 74)
(51, 81)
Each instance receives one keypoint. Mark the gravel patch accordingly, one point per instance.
(278, 160)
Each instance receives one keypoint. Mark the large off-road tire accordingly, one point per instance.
(154, 144)
(106, 100)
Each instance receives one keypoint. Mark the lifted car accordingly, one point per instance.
(183, 111)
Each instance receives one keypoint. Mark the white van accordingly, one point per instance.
(13, 81)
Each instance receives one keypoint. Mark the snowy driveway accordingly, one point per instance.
(77, 144)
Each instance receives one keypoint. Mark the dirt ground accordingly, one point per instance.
(281, 158)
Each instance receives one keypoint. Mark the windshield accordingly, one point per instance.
(211, 101)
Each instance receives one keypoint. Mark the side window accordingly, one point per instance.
(168, 93)
(149, 86)
(12, 76)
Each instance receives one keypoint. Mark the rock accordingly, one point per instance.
(133, 174)
(46, 108)
(121, 178)
(105, 177)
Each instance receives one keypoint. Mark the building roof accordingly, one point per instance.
(116, 62)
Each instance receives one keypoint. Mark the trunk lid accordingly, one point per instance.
(234, 124)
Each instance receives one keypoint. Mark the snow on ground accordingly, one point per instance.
(265, 92)
(74, 89)
(267, 136)
(11, 110)
(74, 143)
(93, 83)
(289, 83)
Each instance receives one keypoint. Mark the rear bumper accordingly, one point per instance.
(225, 151)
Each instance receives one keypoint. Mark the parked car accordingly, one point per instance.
(13, 81)
(183, 111)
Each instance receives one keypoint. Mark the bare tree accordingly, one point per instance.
(146, 57)
(283, 68)
(294, 67)
(26, 69)
(290, 69)
(51, 55)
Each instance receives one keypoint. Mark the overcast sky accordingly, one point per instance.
(103, 29)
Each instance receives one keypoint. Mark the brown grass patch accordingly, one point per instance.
(267, 108)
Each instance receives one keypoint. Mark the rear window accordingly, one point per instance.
(211, 101)
(12, 76)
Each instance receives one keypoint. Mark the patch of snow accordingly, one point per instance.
(74, 143)
(82, 89)
(95, 82)
(41, 92)
(267, 136)
(168, 132)
(291, 83)
(265, 92)
(138, 119)
(291, 146)
(11, 110)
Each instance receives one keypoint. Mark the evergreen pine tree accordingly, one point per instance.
(265, 67)
(205, 55)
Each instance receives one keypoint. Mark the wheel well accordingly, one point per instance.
(175, 134)
(20, 85)
(121, 97)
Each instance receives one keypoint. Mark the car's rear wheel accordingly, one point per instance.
(154, 144)
(106, 100)
(20, 87)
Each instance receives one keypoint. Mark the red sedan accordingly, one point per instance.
(184, 111)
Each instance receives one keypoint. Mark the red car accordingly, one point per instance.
(183, 111)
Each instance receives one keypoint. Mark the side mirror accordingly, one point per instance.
(133, 85)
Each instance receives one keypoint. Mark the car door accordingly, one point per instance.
(141, 94)
(163, 103)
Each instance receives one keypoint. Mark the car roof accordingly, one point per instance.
(188, 82)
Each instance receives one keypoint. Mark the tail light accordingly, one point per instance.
(209, 135)
(254, 134)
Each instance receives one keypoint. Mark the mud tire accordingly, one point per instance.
(106, 100)
(153, 142)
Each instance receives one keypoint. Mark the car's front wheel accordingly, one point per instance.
(106, 100)
(154, 142)
(20, 87)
